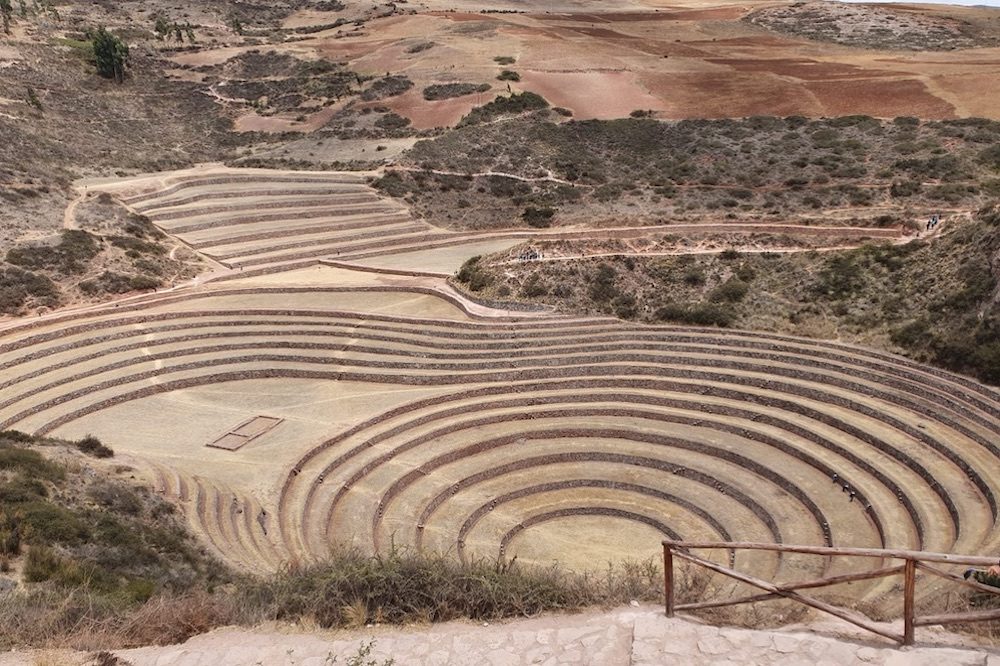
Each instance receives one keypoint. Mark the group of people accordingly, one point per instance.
(989, 576)
(933, 222)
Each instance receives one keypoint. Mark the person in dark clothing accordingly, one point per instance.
(989, 576)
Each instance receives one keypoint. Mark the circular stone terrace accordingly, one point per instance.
(301, 408)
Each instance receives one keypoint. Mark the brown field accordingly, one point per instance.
(701, 61)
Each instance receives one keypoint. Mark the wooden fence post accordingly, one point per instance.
(668, 579)
(909, 586)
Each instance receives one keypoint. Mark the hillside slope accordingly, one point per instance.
(935, 300)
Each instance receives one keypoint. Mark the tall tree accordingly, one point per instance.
(110, 54)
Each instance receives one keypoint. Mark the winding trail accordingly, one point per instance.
(69, 215)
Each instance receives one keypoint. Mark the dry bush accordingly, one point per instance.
(403, 586)
(349, 590)
(85, 621)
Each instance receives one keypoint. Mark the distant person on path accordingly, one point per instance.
(989, 576)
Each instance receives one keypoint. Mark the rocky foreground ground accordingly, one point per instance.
(632, 636)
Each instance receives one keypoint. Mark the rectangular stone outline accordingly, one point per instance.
(233, 440)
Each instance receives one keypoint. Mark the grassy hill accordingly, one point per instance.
(934, 300)
(82, 548)
(854, 170)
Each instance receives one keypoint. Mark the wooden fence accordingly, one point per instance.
(911, 562)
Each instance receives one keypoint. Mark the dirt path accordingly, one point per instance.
(704, 250)
(69, 215)
(482, 174)
(701, 249)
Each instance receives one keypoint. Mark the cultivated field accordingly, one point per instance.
(701, 61)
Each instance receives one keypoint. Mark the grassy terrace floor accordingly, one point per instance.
(507, 436)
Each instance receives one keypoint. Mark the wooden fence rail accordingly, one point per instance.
(912, 561)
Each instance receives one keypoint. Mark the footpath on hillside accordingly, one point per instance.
(634, 636)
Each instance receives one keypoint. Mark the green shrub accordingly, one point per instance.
(693, 277)
(402, 586)
(952, 192)
(625, 306)
(534, 287)
(439, 91)
(393, 184)
(973, 285)
(911, 335)
(119, 498)
(990, 157)
(10, 535)
(602, 284)
(509, 188)
(840, 277)
(143, 282)
(465, 272)
(501, 106)
(110, 282)
(93, 447)
(49, 523)
(986, 360)
(943, 167)
(142, 227)
(609, 191)
(31, 97)
(392, 121)
(699, 314)
(389, 86)
(539, 218)
(732, 290)
(139, 590)
(20, 490)
(474, 275)
(136, 244)
(508, 75)
(41, 564)
(17, 286)
(29, 463)
(71, 255)
(990, 214)
(449, 183)
(825, 138)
